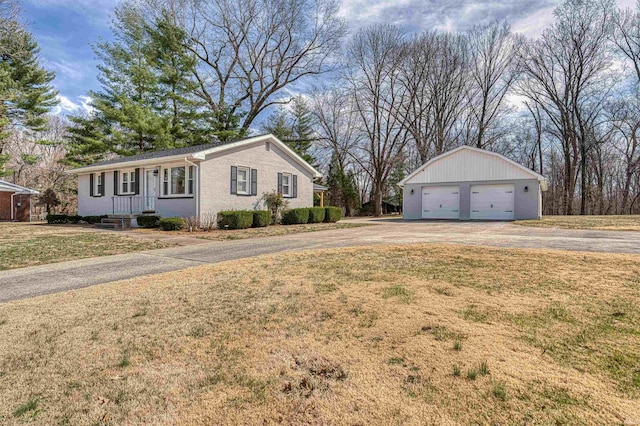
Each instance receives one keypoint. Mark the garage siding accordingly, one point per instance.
(527, 204)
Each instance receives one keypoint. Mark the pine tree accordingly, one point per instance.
(26, 94)
(293, 126)
(127, 103)
(149, 95)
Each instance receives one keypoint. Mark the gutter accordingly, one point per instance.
(196, 182)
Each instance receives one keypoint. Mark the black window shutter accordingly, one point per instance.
(279, 183)
(234, 180)
(295, 186)
(91, 184)
(254, 182)
(137, 181)
(102, 184)
(116, 182)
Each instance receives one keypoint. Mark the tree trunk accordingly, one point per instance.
(377, 200)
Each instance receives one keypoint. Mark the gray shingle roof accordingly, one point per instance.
(166, 153)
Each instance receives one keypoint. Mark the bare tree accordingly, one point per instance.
(561, 73)
(249, 53)
(434, 76)
(492, 72)
(376, 54)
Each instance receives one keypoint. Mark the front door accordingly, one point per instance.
(151, 191)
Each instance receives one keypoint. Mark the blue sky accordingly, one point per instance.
(65, 29)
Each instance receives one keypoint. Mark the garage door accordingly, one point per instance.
(492, 202)
(441, 202)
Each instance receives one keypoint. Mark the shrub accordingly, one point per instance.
(235, 219)
(74, 219)
(261, 218)
(57, 218)
(317, 214)
(295, 216)
(332, 214)
(171, 223)
(150, 221)
(275, 204)
(94, 219)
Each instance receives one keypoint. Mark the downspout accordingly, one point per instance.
(13, 206)
(196, 184)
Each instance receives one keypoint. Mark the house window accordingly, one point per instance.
(243, 180)
(127, 182)
(178, 180)
(98, 184)
(286, 184)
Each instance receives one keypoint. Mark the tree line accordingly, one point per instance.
(366, 108)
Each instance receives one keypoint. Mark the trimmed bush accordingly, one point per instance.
(94, 219)
(235, 219)
(150, 221)
(261, 218)
(171, 223)
(316, 214)
(74, 219)
(57, 218)
(295, 216)
(332, 214)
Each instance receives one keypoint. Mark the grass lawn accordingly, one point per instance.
(242, 234)
(29, 244)
(604, 223)
(420, 334)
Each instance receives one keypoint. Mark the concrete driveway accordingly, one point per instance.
(45, 279)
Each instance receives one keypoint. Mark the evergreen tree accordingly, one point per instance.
(293, 126)
(149, 94)
(26, 94)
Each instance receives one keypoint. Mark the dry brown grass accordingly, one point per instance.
(603, 223)
(30, 244)
(349, 336)
(243, 234)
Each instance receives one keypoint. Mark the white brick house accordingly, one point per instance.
(196, 180)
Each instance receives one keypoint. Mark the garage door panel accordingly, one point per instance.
(441, 202)
(492, 202)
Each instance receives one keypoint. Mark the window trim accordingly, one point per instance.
(189, 181)
(131, 180)
(289, 193)
(247, 180)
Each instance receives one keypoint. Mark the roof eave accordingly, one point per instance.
(146, 162)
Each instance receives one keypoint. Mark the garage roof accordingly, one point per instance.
(12, 187)
(466, 163)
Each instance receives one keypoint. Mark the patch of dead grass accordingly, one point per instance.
(603, 223)
(256, 341)
(30, 244)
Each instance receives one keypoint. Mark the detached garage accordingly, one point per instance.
(468, 183)
(15, 202)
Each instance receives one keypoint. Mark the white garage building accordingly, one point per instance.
(468, 183)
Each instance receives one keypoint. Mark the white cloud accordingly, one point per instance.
(69, 70)
(533, 25)
(67, 106)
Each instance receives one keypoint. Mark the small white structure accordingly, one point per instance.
(471, 183)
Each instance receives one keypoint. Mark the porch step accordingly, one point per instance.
(113, 226)
(115, 222)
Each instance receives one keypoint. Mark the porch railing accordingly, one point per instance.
(133, 204)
